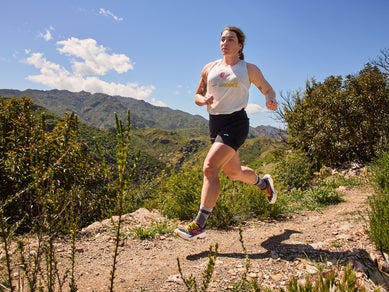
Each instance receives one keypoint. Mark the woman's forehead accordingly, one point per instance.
(229, 33)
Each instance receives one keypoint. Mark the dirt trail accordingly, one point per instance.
(278, 250)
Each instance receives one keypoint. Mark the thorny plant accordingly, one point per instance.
(126, 173)
(191, 282)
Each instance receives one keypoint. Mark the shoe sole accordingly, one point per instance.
(184, 235)
(270, 180)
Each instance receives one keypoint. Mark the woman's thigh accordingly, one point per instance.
(218, 156)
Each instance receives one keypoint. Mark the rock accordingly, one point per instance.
(175, 279)
(317, 245)
(385, 266)
(312, 270)
(276, 277)
(140, 217)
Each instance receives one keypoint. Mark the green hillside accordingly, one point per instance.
(97, 110)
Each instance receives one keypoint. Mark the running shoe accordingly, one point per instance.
(269, 191)
(190, 232)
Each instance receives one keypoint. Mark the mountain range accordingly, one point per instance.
(98, 110)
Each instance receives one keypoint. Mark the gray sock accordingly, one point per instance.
(261, 183)
(202, 216)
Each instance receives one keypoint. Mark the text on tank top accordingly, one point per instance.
(229, 86)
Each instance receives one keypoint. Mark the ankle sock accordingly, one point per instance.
(202, 216)
(261, 183)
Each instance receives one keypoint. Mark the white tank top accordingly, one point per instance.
(229, 86)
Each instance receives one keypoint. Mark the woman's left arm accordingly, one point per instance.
(256, 77)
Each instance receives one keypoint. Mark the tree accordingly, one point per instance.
(340, 120)
(382, 61)
(39, 169)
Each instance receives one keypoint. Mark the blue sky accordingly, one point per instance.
(154, 50)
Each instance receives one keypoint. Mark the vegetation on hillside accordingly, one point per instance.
(97, 110)
(40, 168)
(332, 124)
(338, 120)
(379, 210)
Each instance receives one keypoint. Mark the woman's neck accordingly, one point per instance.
(231, 61)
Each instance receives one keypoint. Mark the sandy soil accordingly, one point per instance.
(277, 250)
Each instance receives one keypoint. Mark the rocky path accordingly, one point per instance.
(277, 250)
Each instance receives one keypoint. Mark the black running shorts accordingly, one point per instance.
(230, 129)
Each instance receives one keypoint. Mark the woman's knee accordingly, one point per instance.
(210, 171)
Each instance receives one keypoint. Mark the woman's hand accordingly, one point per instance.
(208, 100)
(204, 100)
(271, 104)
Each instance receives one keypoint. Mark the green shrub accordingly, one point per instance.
(380, 170)
(39, 168)
(157, 228)
(191, 282)
(379, 203)
(379, 220)
(330, 281)
(294, 170)
(181, 194)
(240, 202)
(329, 119)
(325, 195)
(337, 180)
(314, 198)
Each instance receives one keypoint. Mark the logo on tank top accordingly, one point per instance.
(221, 81)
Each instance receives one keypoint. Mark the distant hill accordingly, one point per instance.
(98, 111)
(269, 132)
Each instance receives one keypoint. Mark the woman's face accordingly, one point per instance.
(229, 44)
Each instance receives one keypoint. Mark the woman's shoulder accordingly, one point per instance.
(210, 65)
(213, 63)
(252, 68)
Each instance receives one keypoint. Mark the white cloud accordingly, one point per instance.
(89, 62)
(94, 59)
(106, 12)
(156, 102)
(255, 108)
(47, 36)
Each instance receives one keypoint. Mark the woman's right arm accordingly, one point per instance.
(200, 96)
